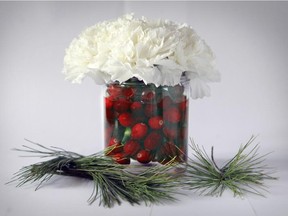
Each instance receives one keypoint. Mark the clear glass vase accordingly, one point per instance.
(145, 123)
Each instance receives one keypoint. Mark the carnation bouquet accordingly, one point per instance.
(156, 52)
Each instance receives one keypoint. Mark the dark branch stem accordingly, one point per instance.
(75, 173)
(213, 161)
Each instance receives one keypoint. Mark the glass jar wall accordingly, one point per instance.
(146, 123)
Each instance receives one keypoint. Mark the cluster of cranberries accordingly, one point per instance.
(146, 123)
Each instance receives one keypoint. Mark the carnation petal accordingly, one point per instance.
(148, 75)
(75, 74)
(99, 77)
(198, 87)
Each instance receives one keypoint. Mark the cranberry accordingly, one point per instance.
(114, 146)
(136, 107)
(167, 151)
(125, 119)
(183, 105)
(110, 116)
(121, 159)
(139, 131)
(171, 132)
(165, 102)
(148, 96)
(172, 115)
(121, 105)
(152, 141)
(156, 122)
(128, 92)
(108, 103)
(115, 91)
(143, 156)
(131, 147)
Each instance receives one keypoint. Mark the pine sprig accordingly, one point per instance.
(113, 182)
(244, 173)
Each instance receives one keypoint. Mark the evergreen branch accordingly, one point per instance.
(242, 174)
(113, 182)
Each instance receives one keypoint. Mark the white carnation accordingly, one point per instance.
(153, 51)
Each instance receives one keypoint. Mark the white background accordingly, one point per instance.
(250, 40)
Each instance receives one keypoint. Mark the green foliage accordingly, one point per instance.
(114, 183)
(244, 173)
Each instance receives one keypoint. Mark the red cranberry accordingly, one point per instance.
(121, 105)
(171, 132)
(152, 141)
(114, 146)
(121, 158)
(125, 119)
(128, 92)
(156, 122)
(131, 147)
(165, 102)
(139, 131)
(136, 107)
(143, 156)
(115, 91)
(172, 115)
(108, 103)
(148, 96)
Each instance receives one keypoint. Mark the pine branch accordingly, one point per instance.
(113, 182)
(244, 173)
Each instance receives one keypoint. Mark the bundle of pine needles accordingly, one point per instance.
(114, 183)
(244, 173)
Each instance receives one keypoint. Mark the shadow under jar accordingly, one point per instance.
(146, 123)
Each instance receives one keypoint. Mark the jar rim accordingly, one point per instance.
(135, 81)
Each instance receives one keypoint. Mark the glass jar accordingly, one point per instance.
(145, 123)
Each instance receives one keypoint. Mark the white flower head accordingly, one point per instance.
(153, 51)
